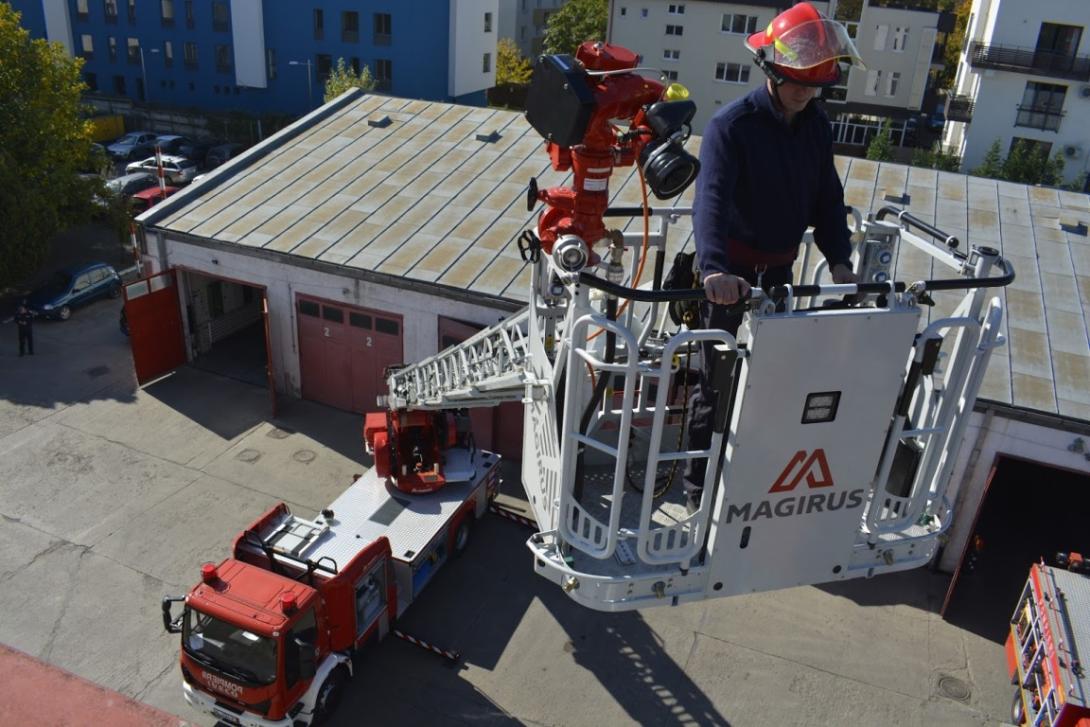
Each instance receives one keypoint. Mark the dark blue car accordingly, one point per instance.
(73, 287)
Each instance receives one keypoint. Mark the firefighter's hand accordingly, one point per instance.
(724, 288)
(843, 275)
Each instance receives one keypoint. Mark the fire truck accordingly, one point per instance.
(839, 413)
(268, 634)
(1048, 641)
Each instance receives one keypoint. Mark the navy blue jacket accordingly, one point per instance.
(762, 183)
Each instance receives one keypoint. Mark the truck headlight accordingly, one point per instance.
(47, 306)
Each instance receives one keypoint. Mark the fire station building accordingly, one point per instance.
(377, 230)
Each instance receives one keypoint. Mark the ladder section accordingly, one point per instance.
(489, 368)
(1031, 641)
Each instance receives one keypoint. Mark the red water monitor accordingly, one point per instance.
(409, 447)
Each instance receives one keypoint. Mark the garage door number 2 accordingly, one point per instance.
(325, 332)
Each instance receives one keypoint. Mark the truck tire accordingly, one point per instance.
(329, 695)
(1018, 709)
(461, 535)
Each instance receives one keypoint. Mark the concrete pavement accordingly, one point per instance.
(112, 496)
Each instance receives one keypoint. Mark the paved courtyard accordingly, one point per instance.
(112, 496)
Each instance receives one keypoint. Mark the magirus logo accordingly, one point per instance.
(811, 468)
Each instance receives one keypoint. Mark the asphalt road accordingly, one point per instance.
(112, 496)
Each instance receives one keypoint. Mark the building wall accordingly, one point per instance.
(998, 93)
(985, 439)
(283, 281)
(524, 22)
(473, 32)
(418, 50)
(892, 40)
(641, 26)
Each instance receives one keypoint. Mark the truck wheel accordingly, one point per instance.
(329, 696)
(1018, 709)
(461, 536)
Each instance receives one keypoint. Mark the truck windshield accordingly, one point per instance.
(231, 649)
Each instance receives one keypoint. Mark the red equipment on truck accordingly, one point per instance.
(268, 634)
(1048, 639)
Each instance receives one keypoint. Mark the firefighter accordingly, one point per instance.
(766, 174)
(24, 321)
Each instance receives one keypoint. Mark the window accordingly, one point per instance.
(488, 22)
(132, 11)
(674, 30)
(385, 325)
(88, 44)
(190, 52)
(110, 8)
(350, 26)
(486, 63)
(624, 11)
(383, 25)
(332, 314)
(323, 65)
(168, 53)
(91, 79)
(308, 308)
(384, 74)
(733, 23)
(643, 12)
(671, 55)
(82, 11)
(189, 14)
(166, 12)
(880, 33)
(355, 63)
(223, 58)
(1042, 106)
(270, 63)
(1063, 40)
(359, 320)
(900, 37)
(220, 16)
(134, 50)
(319, 24)
(1031, 146)
(303, 632)
(892, 82)
(873, 79)
(675, 9)
(111, 47)
(670, 75)
(732, 72)
(119, 85)
(522, 32)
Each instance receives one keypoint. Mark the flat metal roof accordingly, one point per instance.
(426, 198)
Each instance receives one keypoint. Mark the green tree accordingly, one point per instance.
(43, 144)
(1018, 166)
(880, 148)
(1054, 170)
(936, 158)
(992, 166)
(344, 77)
(512, 69)
(577, 21)
(954, 42)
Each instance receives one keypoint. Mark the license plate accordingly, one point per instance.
(226, 716)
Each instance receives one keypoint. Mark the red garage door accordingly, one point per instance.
(154, 318)
(343, 351)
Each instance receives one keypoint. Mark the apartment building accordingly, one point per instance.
(272, 56)
(1024, 75)
(524, 21)
(700, 43)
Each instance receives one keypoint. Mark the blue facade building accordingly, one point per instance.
(271, 56)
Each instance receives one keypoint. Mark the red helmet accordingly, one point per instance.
(802, 46)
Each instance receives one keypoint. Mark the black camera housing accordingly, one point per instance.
(560, 100)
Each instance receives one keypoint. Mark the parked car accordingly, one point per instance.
(177, 170)
(219, 154)
(145, 199)
(172, 144)
(73, 287)
(133, 145)
(125, 185)
(937, 120)
(197, 150)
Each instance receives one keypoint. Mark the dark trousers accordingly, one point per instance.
(703, 397)
(26, 340)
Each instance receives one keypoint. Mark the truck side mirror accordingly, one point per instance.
(172, 624)
(308, 659)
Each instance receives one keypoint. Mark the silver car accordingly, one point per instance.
(133, 145)
(177, 170)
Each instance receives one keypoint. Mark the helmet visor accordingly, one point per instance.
(812, 43)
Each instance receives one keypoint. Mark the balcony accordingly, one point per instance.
(959, 108)
(1039, 117)
(1027, 60)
